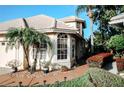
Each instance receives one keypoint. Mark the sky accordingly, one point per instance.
(56, 11)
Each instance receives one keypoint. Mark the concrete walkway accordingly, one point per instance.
(39, 77)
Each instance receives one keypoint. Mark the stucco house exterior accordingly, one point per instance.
(117, 20)
(66, 35)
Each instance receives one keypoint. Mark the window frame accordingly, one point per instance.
(62, 46)
(40, 54)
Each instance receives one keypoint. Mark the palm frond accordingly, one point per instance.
(81, 8)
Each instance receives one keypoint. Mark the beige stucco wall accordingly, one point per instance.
(10, 54)
(53, 53)
(71, 24)
(74, 24)
(18, 54)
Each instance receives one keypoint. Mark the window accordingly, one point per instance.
(42, 51)
(62, 46)
(34, 52)
(73, 48)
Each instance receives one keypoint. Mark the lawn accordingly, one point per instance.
(94, 77)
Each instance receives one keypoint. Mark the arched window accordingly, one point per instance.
(62, 46)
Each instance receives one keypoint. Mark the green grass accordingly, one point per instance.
(93, 77)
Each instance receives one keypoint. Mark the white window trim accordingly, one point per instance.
(62, 48)
(40, 53)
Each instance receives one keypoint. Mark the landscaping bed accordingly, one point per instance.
(99, 60)
(94, 77)
(120, 63)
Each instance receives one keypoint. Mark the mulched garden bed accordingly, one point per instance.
(99, 60)
(120, 63)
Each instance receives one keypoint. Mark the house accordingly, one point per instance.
(117, 20)
(66, 35)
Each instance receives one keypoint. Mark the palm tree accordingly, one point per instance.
(89, 10)
(25, 37)
(37, 40)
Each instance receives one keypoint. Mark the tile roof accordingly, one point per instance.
(17, 23)
(71, 19)
(37, 22)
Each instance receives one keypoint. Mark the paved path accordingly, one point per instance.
(39, 77)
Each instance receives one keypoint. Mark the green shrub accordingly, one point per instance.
(116, 42)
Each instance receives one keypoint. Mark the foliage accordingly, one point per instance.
(93, 77)
(90, 11)
(86, 8)
(20, 36)
(98, 38)
(37, 39)
(116, 42)
(26, 37)
(101, 17)
(13, 63)
(99, 45)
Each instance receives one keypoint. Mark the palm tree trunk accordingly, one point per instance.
(26, 58)
(90, 14)
(91, 29)
(35, 60)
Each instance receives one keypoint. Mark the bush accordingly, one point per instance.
(116, 42)
(14, 64)
(93, 77)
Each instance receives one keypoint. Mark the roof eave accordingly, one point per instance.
(116, 21)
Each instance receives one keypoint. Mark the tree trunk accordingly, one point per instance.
(91, 29)
(90, 14)
(26, 58)
(35, 60)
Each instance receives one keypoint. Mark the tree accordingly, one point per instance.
(116, 42)
(25, 37)
(101, 16)
(98, 38)
(99, 46)
(37, 40)
(90, 12)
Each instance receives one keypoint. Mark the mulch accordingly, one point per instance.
(39, 77)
